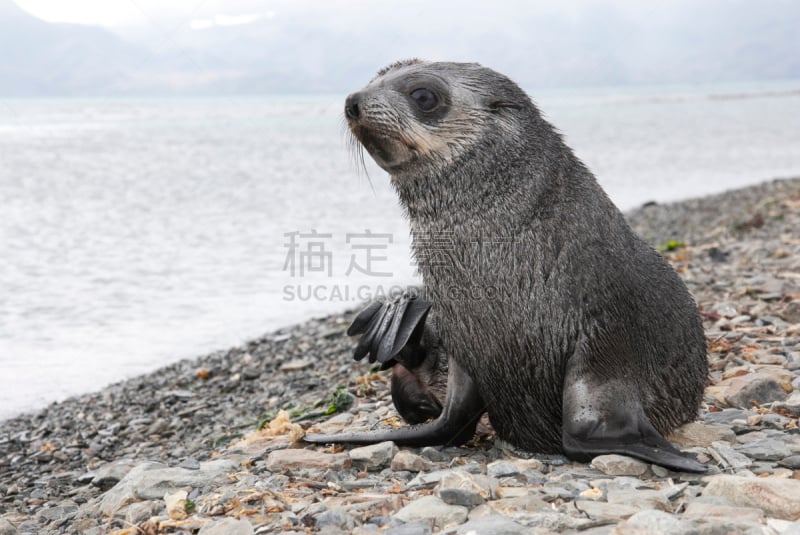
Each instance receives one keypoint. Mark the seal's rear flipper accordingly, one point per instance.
(606, 416)
(463, 408)
(652, 448)
(388, 327)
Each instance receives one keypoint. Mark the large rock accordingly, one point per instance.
(432, 508)
(294, 459)
(778, 498)
(150, 481)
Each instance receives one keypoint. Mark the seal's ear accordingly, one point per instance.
(496, 106)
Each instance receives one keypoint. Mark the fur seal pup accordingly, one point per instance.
(553, 316)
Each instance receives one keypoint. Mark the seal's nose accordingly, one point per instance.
(351, 110)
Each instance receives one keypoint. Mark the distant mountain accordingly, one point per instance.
(333, 46)
(40, 58)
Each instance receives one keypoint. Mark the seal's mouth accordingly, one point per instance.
(388, 149)
(372, 141)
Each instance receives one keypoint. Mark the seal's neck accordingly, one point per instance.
(498, 185)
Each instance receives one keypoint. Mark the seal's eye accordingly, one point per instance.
(425, 99)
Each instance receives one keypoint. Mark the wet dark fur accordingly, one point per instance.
(574, 285)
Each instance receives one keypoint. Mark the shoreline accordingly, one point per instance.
(739, 254)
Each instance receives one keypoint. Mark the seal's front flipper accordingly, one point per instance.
(388, 327)
(463, 408)
(603, 416)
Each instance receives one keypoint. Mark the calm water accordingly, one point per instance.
(134, 233)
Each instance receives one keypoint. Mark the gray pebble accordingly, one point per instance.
(502, 469)
(412, 528)
(227, 526)
(336, 517)
(764, 450)
(374, 456)
(432, 508)
(490, 525)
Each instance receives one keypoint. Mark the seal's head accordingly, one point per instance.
(417, 114)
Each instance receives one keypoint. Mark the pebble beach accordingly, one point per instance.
(212, 445)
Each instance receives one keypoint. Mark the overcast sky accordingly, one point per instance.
(134, 12)
(287, 46)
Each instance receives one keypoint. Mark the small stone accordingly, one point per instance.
(462, 488)
(726, 416)
(765, 450)
(136, 513)
(619, 465)
(335, 517)
(725, 454)
(296, 365)
(298, 459)
(726, 309)
(792, 529)
(374, 456)
(652, 521)
(227, 526)
(793, 462)
(759, 387)
(59, 513)
(412, 528)
(426, 479)
(529, 464)
(110, 474)
(176, 504)
(790, 404)
(434, 454)
(659, 471)
(592, 494)
(6, 527)
(605, 511)
(190, 463)
(404, 460)
(85, 526)
(511, 492)
(517, 504)
(502, 469)
(776, 497)
(432, 508)
(702, 509)
(698, 434)
(640, 499)
(490, 525)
